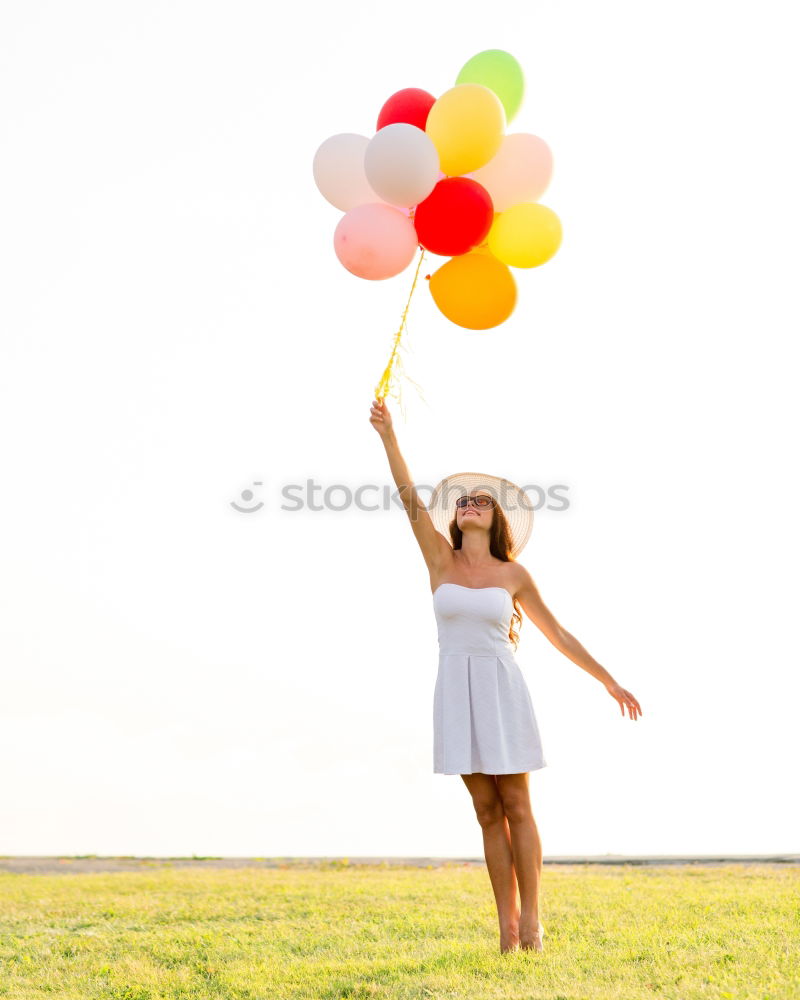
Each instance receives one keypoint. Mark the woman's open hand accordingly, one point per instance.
(623, 697)
(380, 418)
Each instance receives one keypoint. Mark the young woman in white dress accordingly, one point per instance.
(502, 804)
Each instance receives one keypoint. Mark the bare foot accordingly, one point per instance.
(530, 939)
(509, 934)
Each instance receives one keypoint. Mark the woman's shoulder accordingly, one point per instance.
(518, 576)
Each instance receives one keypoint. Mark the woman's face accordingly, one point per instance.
(481, 516)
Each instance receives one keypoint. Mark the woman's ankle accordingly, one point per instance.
(510, 921)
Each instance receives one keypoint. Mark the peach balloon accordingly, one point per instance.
(375, 241)
(520, 171)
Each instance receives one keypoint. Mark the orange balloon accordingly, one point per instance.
(475, 291)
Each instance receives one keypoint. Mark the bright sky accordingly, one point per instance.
(181, 678)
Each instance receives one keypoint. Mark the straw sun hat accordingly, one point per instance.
(515, 502)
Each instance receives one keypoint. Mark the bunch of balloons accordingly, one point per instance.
(442, 175)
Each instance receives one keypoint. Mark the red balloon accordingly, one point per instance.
(410, 106)
(455, 217)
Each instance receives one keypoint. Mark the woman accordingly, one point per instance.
(484, 724)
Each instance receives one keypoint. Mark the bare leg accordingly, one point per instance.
(526, 847)
(498, 853)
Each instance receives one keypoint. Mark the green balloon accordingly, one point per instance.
(500, 72)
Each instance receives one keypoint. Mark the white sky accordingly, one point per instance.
(178, 677)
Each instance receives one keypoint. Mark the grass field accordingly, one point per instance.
(333, 931)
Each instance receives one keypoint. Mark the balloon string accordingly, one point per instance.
(395, 364)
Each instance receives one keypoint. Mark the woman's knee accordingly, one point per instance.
(514, 796)
(516, 809)
(489, 811)
(485, 798)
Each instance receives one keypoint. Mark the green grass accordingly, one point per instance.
(333, 931)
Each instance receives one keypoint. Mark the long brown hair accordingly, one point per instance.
(500, 545)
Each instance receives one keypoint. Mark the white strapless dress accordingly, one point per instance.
(483, 718)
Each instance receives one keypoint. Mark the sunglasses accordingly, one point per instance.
(479, 501)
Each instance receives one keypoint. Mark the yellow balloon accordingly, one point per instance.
(466, 126)
(525, 235)
(474, 291)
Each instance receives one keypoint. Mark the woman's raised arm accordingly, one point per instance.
(436, 550)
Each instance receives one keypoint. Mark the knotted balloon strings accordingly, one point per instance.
(395, 366)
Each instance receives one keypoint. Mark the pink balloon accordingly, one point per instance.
(375, 241)
(520, 171)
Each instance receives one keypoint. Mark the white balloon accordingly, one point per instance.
(401, 164)
(519, 171)
(339, 171)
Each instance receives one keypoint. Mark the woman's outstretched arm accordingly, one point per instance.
(534, 607)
